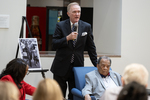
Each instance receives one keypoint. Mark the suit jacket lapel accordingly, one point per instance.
(100, 79)
(80, 27)
(68, 30)
(114, 78)
(68, 27)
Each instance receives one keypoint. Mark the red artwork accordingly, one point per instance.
(36, 17)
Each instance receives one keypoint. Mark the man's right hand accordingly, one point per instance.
(87, 97)
(72, 36)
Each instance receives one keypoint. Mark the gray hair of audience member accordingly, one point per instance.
(135, 72)
(71, 4)
(48, 89)
(103, 57)
(8, 91)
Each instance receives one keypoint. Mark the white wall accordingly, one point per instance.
(9, 37)
(107, 26)
(135, 29)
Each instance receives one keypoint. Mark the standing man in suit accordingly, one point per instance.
(99, 80)
(69, 46)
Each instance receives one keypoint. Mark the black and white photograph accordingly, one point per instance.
(30, 53)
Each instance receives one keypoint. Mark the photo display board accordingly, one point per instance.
(29, 52)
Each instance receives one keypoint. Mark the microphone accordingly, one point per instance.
(75, 27)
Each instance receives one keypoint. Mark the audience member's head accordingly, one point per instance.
(103, 65)
(48, 89)
(133, 91)
(17, 68)
(135, 72)
(8, 91)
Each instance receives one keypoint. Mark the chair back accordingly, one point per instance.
(79, 74)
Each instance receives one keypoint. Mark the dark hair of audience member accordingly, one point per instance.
(17, 69)
(133, 91)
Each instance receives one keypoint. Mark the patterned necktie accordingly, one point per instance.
(74, 42)
(74, 28)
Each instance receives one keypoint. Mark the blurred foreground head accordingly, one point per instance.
(8, 91)
(135, 72)
(48, 89)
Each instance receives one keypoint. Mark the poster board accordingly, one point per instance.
(29, 52)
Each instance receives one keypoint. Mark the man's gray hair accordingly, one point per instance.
(71, 4)
(135, 72)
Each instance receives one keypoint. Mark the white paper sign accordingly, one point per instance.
(4, 21)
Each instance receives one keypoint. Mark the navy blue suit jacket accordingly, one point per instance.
(64, 49)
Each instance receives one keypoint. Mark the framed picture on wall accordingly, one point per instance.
(30, 53)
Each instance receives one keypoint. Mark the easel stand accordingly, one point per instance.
(21, 36)
(42, 71)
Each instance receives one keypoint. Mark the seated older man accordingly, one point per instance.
(98, 81)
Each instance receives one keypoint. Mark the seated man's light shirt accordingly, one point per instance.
(109, 83)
